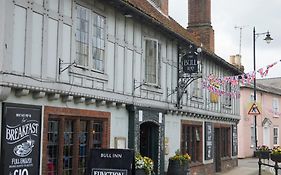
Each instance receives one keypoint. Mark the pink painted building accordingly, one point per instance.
(269, 120)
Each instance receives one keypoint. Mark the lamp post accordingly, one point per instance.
(268, 39)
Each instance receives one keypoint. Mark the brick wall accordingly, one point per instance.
(199, 12)
(199, 21)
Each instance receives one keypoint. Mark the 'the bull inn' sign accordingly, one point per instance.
(21, 135)
(111, 162)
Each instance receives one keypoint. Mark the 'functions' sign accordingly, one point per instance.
(111, 162)
(20, 146)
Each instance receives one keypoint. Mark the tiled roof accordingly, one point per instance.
(274, 82)
(169, 24)
(264, 86)
(166, 21)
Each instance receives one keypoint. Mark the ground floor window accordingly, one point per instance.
(191, 140)
(69, 140)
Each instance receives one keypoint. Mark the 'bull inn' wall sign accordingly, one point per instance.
(111, 162)
(21, 135)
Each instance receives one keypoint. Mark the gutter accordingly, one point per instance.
(125, 3)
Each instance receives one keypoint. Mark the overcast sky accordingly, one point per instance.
(263, 14)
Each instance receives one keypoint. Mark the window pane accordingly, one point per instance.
(52, 147)
(97, 136)
(83, 149)
(68, 147)
(150, 61)
(98, 42)
(82, 35)
(191, 141)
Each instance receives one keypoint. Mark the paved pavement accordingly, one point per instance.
(249, 166)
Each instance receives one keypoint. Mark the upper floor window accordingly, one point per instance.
(90, 39)
(252, 97)
(227, 94)
(197, 88)
(152, 61)
(275, 105)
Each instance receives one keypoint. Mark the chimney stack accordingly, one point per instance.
(199, 21)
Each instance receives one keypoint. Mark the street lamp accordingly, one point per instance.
(268, 39)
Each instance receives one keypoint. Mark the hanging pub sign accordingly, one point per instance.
(111, 161)
(208, 141)
(189, 62)
(20, 143)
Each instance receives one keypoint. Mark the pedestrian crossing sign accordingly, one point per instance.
(254, 110)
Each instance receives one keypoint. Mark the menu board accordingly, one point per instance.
(234, 140)
(209, 130)
(21, 135)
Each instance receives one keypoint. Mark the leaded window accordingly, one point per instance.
(90, 39)
(197, 88)
(89, 131)
(152, 61)
(227, 95)
(53, 147)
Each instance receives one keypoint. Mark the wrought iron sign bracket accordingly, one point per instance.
(189, 69)
(62, 63)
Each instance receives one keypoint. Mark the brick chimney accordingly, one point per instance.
(162, 5)
(199, 21)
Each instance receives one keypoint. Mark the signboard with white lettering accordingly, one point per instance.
(208, 140)
(21, 135)
(111, 162)
(189, 63)
(234, 140)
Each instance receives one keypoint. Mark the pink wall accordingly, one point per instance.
(265, 105)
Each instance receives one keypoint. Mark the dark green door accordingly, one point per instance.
(149, 142)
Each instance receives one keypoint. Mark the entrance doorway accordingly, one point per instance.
(217, 152)
(149, 142)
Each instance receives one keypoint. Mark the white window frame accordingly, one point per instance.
(275, 105)
(90, 63)
(157, 62)
(276, 136)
